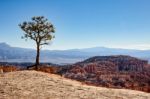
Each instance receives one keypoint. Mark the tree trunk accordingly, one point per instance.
(37, 57)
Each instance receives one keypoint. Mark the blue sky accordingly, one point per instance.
(80, 23)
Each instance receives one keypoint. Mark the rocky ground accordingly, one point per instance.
(39, 85)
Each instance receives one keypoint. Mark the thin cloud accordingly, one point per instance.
(136, 46)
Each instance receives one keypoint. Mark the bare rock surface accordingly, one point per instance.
(39, 85)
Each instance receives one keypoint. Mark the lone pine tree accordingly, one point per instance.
(39, 30)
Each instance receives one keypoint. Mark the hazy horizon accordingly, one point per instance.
(81, 23)
(34, 48)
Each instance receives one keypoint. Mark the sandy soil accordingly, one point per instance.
(39, 85)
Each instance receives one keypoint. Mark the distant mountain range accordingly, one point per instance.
(16, 54)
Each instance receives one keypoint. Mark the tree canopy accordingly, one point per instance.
(39, 30)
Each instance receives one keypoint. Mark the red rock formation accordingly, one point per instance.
(112, 71)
